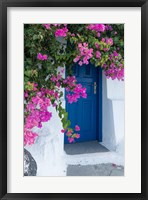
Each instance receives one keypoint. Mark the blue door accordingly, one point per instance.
(85, 112)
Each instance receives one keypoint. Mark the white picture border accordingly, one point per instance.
(131, 182)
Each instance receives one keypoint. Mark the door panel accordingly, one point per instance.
(84, 112)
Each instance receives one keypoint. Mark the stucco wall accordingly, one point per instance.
(48, 150)
(113, 114)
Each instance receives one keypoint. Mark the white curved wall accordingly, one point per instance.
(113, 114)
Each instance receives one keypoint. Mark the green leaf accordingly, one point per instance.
(29, 61)
(68, 123)
(28, 73)
(116, 39)
(35, 37)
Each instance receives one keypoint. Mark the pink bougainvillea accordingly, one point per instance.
(29, 136)
(115, 70)
(70, 139)
(62, 32)
(77, 135)
(47, 26)
(74, 90)
(97, 27)
(84, 54)
(114, 73)
(42, 57)
(98, 54)
(77, 128)
(36, 112)
(77, 92)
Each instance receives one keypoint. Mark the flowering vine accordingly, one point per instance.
(48, 46)
(84, 54)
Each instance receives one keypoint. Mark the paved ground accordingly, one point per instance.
(89, 148)
(84, 147)
(95, 170)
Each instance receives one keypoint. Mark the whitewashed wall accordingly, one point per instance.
(113, 114)
(48, 150)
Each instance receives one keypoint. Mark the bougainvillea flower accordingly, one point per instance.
(70, 139)
(77, 128)
(61, 32)
(77, 135)
(41, 57)
(47, 26)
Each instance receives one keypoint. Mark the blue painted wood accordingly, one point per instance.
(99, 106)
(85, 112)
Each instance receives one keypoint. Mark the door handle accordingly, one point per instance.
(95, 87)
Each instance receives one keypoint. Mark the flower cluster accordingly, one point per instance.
(104, 44)
(36, 109)
(57, 79)
(74, 90)
(70, 82)
(97, 27)
(47, 26)
(42, 57)
(84, 54)
(115, 69)
(71, 133)
(108, 27)
(36, 112)
(77, 92)
(109, 41)
(115, 72)
(29, 136)
(98, 54)
(29, 87)
(62, 32)
(112, 63)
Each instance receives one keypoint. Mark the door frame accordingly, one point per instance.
(98, 105)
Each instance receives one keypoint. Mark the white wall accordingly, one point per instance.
(48, 150)
(113, 114)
